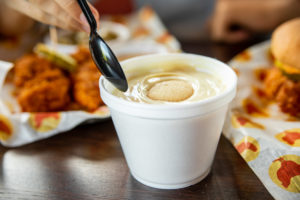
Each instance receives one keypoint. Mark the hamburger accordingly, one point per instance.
(282, 82)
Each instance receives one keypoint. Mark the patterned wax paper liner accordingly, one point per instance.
(267, 139)
(18, 128)
(147, 35)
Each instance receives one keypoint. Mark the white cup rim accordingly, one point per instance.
(223, 98)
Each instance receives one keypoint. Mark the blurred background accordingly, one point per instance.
(217, 21)
(181, 16)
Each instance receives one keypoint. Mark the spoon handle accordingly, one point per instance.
(88, 14)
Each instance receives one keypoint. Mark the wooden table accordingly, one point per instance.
(88, 163)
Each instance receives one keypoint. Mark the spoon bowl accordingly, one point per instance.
(103, 56)
(107, 62)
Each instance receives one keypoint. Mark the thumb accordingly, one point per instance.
(74, 10)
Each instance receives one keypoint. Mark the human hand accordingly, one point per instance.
(10, 21)
(65, 14)
(238, 20)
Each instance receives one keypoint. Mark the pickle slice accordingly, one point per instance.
(293, 77)
(61, 60)
(291, 73)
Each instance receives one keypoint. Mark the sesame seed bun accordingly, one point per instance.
(285, 43)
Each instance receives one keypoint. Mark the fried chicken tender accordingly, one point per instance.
(42, 86)
(284, 91)
(47, 92)
(273, 82)
(288, 97)
(85, 86)
(28, 67)
(82, 55)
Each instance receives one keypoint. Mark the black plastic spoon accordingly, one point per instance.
(102, 55)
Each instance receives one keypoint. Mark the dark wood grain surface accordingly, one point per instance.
(88, 163)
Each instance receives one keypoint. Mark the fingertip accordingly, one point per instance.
(84, 23)
(96, 15)
(236, 38)
(74, 10)
(239, 36)
(231, 37)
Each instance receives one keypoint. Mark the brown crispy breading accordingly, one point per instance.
(28, 67)
(49, 91)
(85, 86)
(288, 97)
(82, 55)
(284, 91)
(273, 81)
(44, 87)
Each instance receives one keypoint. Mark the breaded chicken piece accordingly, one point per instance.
(85, 86)
(28, 67)
(273, 81)
(44, 87)
(288, 97)
(49, 91)
(82, 55)
(284, 91)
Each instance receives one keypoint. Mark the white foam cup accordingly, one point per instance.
(171, 146)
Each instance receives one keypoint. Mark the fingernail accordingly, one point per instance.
(85, 24)
(83, 19)
(86, 28)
